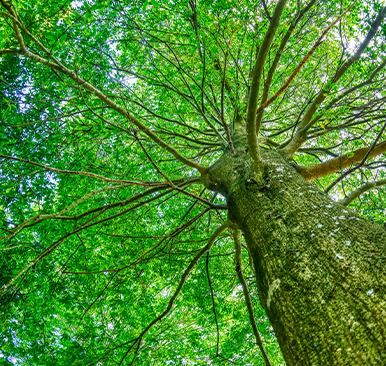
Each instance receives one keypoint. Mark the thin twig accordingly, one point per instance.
(95, 300)
(172, 235)
(186, 273)
(88, 174)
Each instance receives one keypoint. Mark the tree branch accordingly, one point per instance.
(360, 164)
(370, 80)
(39, 218)
(109, 180)
(139, 259)
(56, 65)
(366, 187)
(202, 200)
(10, 52)
(186, 273)
(255, 86)
(213, 303)
(266, 10)
(248, 302)
(341, 162)
(306, 123)
(22, 125)
(7, 287)
(271, 72)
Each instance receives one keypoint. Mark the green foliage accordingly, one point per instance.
(84, 302)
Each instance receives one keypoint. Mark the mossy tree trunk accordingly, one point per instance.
(319, 266)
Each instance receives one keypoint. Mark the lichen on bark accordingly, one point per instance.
(318, 265)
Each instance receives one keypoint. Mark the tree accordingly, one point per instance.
(176, 174)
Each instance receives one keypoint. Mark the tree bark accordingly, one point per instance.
(319, 266)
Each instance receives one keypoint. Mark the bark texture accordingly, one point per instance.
(319, 266)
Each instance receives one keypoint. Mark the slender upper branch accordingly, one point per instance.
(320, 40)
(255, 85)
(10, 52)
(271, 72)
(349, 91)
(266, 11)
(306, 123)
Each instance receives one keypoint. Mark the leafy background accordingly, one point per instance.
(75, 307)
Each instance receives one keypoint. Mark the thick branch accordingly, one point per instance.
(341, 162)
(361, 163)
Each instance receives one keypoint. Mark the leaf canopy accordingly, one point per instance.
(121, 234)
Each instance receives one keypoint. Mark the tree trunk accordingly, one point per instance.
(319, 266)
